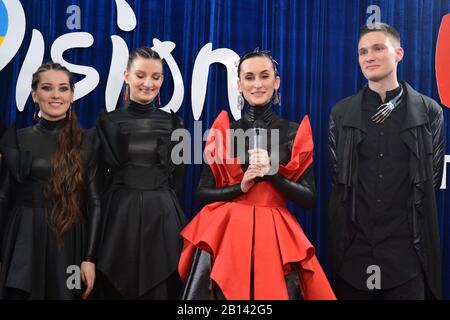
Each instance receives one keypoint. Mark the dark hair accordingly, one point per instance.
(66, 183)
(380, 27)
(143, 52)
(50, 65)
(258, 53)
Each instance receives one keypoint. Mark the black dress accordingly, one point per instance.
(34, 264)
(140, 244)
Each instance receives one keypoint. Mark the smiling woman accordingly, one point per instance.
(54, 94)
(48, 192)
(244, 243)
(140, 243)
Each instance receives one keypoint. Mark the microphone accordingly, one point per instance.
(259, 133)
(259, 138)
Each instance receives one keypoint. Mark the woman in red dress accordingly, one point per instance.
(244, 243)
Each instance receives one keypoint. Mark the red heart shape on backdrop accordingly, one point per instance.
(443, 61)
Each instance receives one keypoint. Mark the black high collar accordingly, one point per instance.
(52, 126)
(138, 108)
(265, 113)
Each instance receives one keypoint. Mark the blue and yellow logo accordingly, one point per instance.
(3, 22)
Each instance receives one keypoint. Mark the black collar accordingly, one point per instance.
(415, 113)
(373, 95)
(138, 108)
(265, 113)
(51, 126)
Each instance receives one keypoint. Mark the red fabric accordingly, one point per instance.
(226, 230)
(443, 62)
(226, 171)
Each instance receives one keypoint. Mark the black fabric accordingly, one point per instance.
(32, 260)
(302, 192)
(413, 289)
(199, 285)
(48, 125)
(208, 193)
(382, 186)
(140, 109)
(167, 289)
(382, 219)
(422, 133)
(265, 114)
(142, 216)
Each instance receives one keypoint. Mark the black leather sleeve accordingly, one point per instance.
(437, 131)
(302, 192)
(332, 142)
(207, 192)
(93, 203)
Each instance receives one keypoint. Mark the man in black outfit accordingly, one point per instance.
(386, 148)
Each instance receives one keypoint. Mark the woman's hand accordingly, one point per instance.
(260, 158)
(88, 277)
(252, 172)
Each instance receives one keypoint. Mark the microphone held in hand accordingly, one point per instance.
(259, 135)
(259, 138)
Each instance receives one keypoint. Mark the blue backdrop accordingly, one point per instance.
(314, 41)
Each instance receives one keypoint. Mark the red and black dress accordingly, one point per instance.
(248, 245)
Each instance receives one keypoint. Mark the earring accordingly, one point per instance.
(276, 99)
(159, 99)
(240, 101)
(126, 95)
(36, 112)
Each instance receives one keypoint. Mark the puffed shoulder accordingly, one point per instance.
(301, 151)
(103, 117)
(113, 142)
(91, 137)
(9, 138)
(91, 144)
(177, 121)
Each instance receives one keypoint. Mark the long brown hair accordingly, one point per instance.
(66, 182)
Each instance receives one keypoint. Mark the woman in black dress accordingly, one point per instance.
(49, 203)
(140, 244)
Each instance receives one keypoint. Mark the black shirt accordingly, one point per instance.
(383, 236)
(146, 148)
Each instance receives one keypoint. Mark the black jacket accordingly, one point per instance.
(422, 131)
